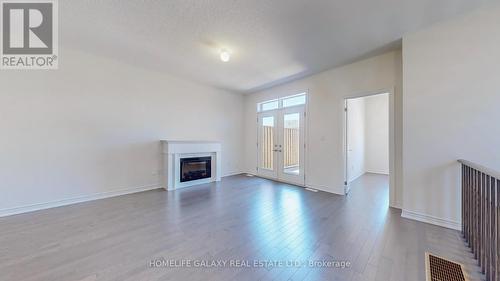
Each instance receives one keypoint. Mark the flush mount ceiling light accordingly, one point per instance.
(225, 56)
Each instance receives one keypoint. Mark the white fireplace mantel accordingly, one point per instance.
(173, 151)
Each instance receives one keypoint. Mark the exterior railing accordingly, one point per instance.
(290, 147)
(481, 216)
(268, 147)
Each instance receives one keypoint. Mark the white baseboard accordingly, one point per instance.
(355, 178)
(431, 220)
(320, 188)
(395, 205)
(325, 189)
(233, 174)
(74, 200)
(377, 172)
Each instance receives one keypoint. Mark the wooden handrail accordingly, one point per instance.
(480, 168)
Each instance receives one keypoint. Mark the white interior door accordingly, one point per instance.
(281, 145)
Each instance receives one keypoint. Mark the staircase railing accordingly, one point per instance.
(481, 216)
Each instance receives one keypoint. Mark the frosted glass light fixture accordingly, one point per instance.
(225, 56)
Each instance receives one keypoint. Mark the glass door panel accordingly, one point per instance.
(267, 144)
(291, 168)
(291, 140)
(281, 144)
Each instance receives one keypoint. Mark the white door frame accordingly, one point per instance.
(392, 135)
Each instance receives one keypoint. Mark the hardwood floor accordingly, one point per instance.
(239, 219)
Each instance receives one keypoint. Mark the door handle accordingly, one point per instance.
(276, 150)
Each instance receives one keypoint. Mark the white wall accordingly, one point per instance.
(356, 153)
(451, 110)
(368, 135)
(327, 90)
(377, 134)
(94, 126)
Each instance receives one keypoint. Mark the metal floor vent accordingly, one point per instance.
(440, 269)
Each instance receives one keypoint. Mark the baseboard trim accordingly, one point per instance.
(80, 199)
(431, 220)
(233, 174)
(320, 188)
(396, 206)
(356, 177)
(324, 189)
(378, 173)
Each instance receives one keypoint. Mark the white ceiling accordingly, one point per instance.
(272, 41)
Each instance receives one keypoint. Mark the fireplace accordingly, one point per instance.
(195, 168)
(205, 167)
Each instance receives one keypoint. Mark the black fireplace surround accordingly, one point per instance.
(196, 168)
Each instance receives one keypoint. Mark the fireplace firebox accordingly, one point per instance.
(195, 168)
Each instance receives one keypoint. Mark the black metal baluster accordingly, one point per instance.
(497, 232)
(469, 208)
(481, 222)
(463, 198)
(476, 217)
(487, 217)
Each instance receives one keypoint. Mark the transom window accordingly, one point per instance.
(283, 102)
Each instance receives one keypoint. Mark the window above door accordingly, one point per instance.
(284, 102)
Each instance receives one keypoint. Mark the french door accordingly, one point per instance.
(281, 144)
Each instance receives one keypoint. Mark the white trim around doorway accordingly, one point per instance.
(392, 141)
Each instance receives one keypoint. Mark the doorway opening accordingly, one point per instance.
(367, 138)
(281, 139)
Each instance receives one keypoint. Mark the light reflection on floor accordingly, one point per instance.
(279, 216)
